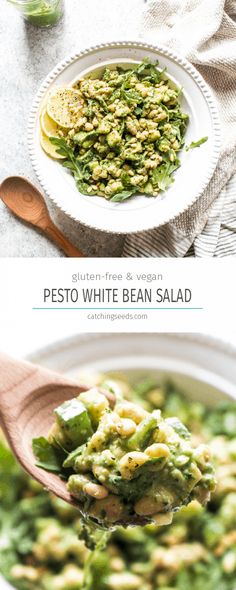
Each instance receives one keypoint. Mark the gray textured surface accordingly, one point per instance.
(27, 55)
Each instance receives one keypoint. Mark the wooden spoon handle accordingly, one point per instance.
(57, 236)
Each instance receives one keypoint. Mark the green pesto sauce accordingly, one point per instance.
(41, 13)
(97, 541)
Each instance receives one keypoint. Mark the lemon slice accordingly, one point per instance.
(48, 126)
(59, 106)
(48, 147)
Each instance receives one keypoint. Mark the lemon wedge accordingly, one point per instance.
(48, 147)
(48, 126)
(59, 106)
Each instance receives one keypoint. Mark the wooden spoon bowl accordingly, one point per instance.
(24, 199)
(28, 396)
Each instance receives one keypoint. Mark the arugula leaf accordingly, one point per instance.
(147, 70)
(122, 196)
(47, 455)
(63, 148)
(66, 151)
(90, 107)
(84, 188)
(115, 94)
(161, 176)
(143, 65)
(86, 158)
(138, 111)
(179, 427)
(131, 96)
(196, 144)
(68, 164)
(79, 169)
(125, 179)
(102, 103)
(70, 459)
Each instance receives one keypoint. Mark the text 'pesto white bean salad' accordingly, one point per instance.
(124, 464)
(119, 134)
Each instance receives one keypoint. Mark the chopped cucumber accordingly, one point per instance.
(140, 439)
(74, 421)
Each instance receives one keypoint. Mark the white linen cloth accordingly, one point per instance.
(204, 31)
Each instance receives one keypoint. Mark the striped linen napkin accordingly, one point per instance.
(204, 31)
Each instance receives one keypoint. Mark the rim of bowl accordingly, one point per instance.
(162, 49)
(187, 368)
(194, 338)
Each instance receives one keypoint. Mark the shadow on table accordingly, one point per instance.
(45, 44)
(92, 242)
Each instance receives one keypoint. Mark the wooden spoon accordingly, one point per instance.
(28, 396)
(25, 201)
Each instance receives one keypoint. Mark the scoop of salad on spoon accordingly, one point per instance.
(122, 464)
(116, 462)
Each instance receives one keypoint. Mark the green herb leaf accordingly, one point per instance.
(69, 165)
(196, 144)
(47, 455)
(86, 158)
(102, 103)
(130, 96)
(122, 196)
(125, 179)
(70, 459)
(147, 70)
(161, 176)
(179, 427)
(63, 148)
(84, 188)
(138, 111)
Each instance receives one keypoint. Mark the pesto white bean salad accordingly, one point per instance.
(120, 133)
(42, 539)
(124, 464)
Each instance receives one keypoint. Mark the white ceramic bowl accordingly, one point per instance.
(204, 368)
(140, 212)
